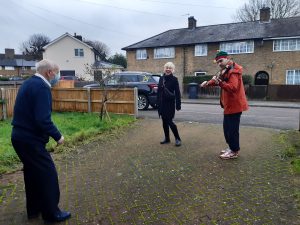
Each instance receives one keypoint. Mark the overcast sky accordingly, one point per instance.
(117, 23)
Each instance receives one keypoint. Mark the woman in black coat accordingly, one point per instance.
(167, 101)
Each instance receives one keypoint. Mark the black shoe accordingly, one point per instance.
(58, 217)
(165, 141)
(177, 142)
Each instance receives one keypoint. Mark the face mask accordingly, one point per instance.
(54, 81)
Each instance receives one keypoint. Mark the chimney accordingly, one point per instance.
(9, 53)
(79, 37)
(192, 22)
(265, 15)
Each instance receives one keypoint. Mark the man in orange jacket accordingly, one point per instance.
(232, 99)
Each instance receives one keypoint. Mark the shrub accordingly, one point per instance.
(4, 79)
(247, 79)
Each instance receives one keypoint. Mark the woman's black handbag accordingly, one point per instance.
(168, 95)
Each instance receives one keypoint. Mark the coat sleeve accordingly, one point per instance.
(232, 85)
(159, 91)
(177, 95)
(42, 113)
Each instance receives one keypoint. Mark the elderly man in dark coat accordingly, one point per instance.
(32, 127)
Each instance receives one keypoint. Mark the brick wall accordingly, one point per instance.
(16, 72)
(263, 59)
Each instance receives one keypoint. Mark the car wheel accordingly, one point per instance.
(143, 102)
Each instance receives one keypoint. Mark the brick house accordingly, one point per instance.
(12, 64)
(268, 49)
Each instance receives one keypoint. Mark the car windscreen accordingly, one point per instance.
(113, 80)
(146, 78)
(156, 78)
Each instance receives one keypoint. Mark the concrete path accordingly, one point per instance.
(132, 179)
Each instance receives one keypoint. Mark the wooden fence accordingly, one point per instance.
(121, 101)
(7, 101)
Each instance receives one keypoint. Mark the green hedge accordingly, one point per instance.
(247, 79)
(4, 79)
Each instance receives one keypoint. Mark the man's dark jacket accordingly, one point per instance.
(32, 113)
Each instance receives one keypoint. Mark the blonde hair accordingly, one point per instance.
(170, 65)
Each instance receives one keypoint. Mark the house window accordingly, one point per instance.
(9, 68)
(79, 52)
(141, 54)
(160, 53)
(286, 45)
(200, 73)
(238, 47)
(201, 50)
(293, 77)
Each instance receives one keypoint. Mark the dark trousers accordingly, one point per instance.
(231, 125)
(40, 177)
(168, 122)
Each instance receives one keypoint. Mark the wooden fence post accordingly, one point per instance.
(136, 110)
(4, 111)
(89, 99)
(299, 121)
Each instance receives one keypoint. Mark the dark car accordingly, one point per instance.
(144, 82)
(156, 77)
(16, 78)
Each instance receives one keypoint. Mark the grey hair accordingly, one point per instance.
(170, 65)
(45, 65)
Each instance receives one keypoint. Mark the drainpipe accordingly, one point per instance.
(184, 61)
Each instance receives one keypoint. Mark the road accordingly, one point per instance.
(270, 117)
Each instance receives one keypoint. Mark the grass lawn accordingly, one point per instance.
(291, 141)
(76, 128)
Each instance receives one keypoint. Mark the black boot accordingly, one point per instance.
(165, 141)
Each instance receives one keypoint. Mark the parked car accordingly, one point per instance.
(16, 78)
(145, 83)
(156, 77)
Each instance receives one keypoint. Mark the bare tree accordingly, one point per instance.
(101, 48)
(33, 47)
(279, 9)
(101, 78)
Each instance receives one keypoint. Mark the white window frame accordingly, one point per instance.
(293, 79)
(286, 45)
(238, 47)
(201, 50)
(78, 52)
(141, 54)
(9, 68)
(164, 53)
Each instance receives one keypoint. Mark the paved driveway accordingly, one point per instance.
(132, 179)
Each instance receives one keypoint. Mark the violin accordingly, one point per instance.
(220, 75)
